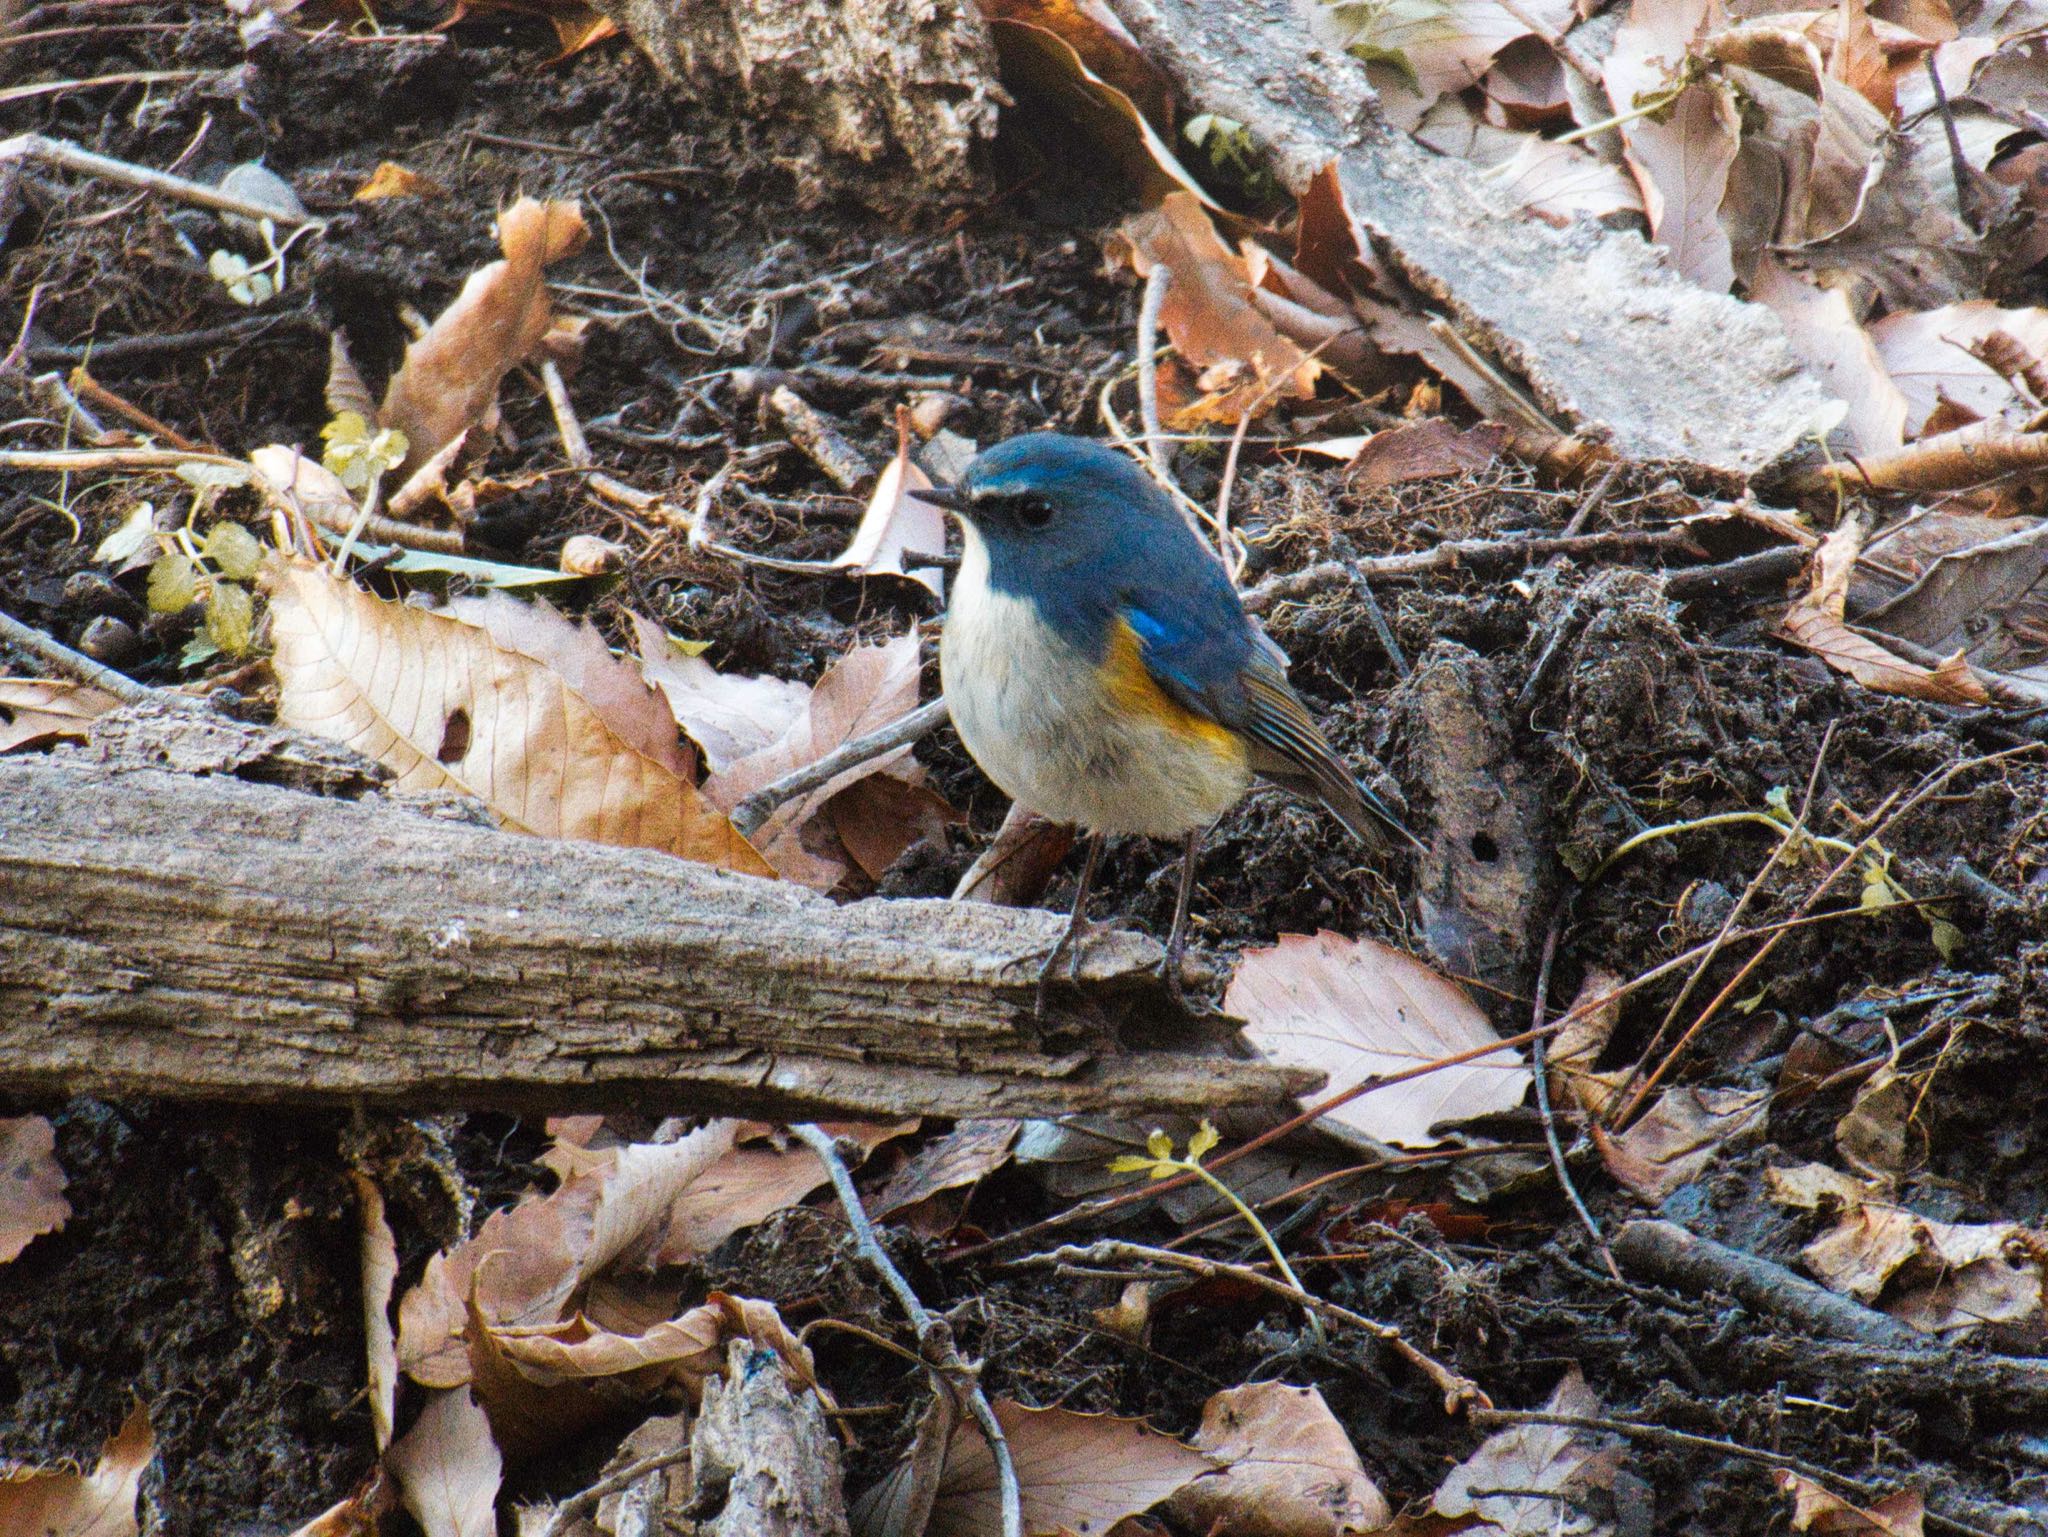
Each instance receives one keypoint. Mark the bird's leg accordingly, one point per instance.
(1075, 925)
(1177, 936)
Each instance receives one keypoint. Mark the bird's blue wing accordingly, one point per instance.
(1195, 641)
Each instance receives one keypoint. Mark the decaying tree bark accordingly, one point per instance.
(1583, 315)
(199, 935)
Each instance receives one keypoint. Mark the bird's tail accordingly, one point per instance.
(1289, 749)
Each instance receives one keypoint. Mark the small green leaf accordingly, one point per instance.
(1129, 1163)
(1947, 938)
(234, 550)
(1205, 1138)
(1159, 1144)
(230, 618)
(200, 648)
(173, 583)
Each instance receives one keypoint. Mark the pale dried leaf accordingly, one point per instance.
(1421, 450)
(52, 1503)
(450, 376)
(750, 1184)
(306, 484)
(1442, 46)
(1681, 162)
(1081, 1472)
(1942, 1278)
(729, 716)
(1681, 1135)
(1546, 1461)
(1928, 356)
(1818, 1509)
(38, 710)
(448, 1468)
(897, 524)
(1562, 182)
(1823, 331)
(863, 691)
(380, 1277)
(525, 1263)
(520, 708)
(1811, 1186)
(1356, 1009)
(1289, 1470)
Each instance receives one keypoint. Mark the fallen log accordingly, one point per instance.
(205, 936)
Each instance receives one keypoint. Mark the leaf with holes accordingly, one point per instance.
(505, 701)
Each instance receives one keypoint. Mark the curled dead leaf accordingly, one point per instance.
(61, 1503)
(450, 376)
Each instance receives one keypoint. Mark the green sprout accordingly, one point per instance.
(1158, 1161)
(360, 456)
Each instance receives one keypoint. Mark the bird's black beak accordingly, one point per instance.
(952, 498)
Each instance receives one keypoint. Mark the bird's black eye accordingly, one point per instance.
(1031, 511)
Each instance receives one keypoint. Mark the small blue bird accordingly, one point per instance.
(1102, 671)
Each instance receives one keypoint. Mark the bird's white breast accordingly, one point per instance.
(1039, 717)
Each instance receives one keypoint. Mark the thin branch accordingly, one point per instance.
(75, 664)
(1543, 1107)
(1459, 1391)
(72, 157)
(575, 446)
(576, 1506)
(933, 1336)
(1156, 283)
(750, 813)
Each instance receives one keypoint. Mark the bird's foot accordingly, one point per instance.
(1071, 944)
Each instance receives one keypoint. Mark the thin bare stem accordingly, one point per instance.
(934, 1338)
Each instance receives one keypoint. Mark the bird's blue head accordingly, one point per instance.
(1064, 521)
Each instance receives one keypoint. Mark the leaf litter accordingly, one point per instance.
(601, 1302)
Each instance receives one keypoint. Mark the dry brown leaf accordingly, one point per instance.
(1818, 1509)
(31, 1184)
(390, 180)
(1823, 331)
(968, 1153)
(1680, 1136)
(1575, 1048)
(505, 701)
(49, 1503)
(448, 1468)
(1289, 1470)
(728, 715)
(360, 1515)
(1208, 312)
(750, 1184)
(1544, 1464)
(1943, 1278)
(1681, 161)
(1081, 56)
(1420, 450)
(1357, 1009)
(63, 1503)
(1928, 356)
(687, 1350)
(34, 711)
(1078, 1472)
(380, 1276)
(1816, 623)
(861, 692)
(897, 524)
(526, 1263)
(450, 376)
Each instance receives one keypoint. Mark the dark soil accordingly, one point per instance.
(210, 1266)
